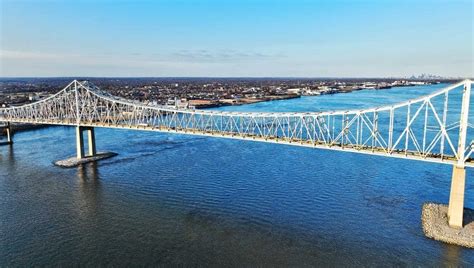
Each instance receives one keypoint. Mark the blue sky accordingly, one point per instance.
(339, 38)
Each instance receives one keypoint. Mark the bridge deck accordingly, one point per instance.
(419, 129)
(412, 155)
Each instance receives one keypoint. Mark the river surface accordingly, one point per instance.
(170, 199)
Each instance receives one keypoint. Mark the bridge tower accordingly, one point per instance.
(80, 142)
(458, 180)
(80, 129)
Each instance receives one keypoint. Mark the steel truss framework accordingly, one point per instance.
(430, 128)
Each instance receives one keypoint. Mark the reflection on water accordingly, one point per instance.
(194, 201)
(88, 172)
(9, 152)
(451, 255)
(89, 189)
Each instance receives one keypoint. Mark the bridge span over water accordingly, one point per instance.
(431, 128)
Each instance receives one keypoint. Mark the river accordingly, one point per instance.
(170, 199)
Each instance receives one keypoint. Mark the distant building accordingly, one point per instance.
(33, 97)
(178, 103)
(294, 91)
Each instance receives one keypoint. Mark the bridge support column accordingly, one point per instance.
(80, 142)
(456, 197)
(458, 181)
(91, 141)
(9, 134)
(7, 129)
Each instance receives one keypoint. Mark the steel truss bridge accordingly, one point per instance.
(431, 128)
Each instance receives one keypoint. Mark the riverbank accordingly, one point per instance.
(202, 104)
(22, 127)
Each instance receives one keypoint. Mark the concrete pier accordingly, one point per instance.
(79, 143)
(456, 197)
(435, 225)
(90, 142)
(458, 180)
(74, 161)
(451, 224)
(9, 135)
(81, 156)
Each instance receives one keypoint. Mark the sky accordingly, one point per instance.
(230, 38)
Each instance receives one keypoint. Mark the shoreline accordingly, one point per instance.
(205, 104)
(21, 127)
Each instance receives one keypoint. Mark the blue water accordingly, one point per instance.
(170, 199)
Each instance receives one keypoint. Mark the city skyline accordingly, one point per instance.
(236, 38)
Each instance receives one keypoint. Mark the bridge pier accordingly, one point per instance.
(80, 142)
(456, 197)
(91, 141)
(9, 134)
(82, 157)
(458, 180)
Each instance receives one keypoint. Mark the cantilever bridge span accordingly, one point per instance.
(431, 128)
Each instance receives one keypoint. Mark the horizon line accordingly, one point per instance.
(244, 77)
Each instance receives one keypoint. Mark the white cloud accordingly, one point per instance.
(221, 63)
(25, 55)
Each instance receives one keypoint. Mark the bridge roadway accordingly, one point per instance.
(397, 153)
(420, 129)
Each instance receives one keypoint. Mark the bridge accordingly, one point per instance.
(431, 128)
